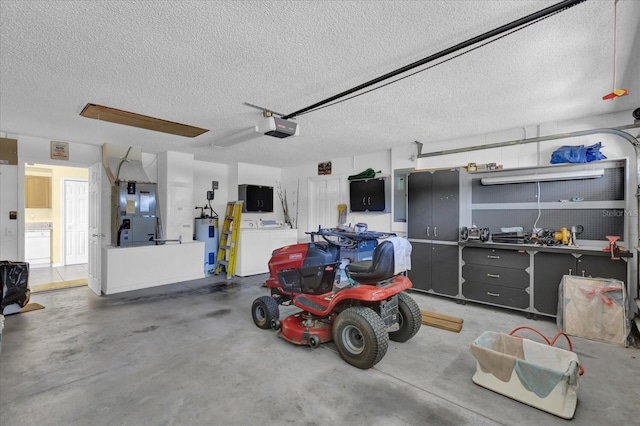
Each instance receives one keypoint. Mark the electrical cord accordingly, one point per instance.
(549, 342)
(535, 224)
(126, 156)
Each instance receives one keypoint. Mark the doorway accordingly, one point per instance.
(75, 226)
(62, 208)
(324, 197)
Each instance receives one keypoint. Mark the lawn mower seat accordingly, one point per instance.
(379, 268)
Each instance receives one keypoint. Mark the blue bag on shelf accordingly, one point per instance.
(577, 154)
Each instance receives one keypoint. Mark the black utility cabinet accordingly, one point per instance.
(551, 267)
(256, 198)
(432, 224)
(434, 205)
(496, 276)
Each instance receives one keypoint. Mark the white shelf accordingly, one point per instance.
(555, 205)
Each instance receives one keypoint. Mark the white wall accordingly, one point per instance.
(295, 179)
(9, 235)
(203, 174)
(175, 193)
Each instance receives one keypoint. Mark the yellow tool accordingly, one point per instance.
(228, 249)
(342, 214)
(563, 236)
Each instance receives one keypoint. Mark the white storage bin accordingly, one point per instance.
(1, 327)
(536, 374)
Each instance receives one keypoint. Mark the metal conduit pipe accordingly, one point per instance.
(616, 131)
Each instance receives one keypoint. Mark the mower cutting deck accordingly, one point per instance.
(360, 307)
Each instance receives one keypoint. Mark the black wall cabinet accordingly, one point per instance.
(369, 195)
(256, 198)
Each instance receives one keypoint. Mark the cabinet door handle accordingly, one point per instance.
(369, 200)
(435, 231)
(493, 275)
(428, 231)
(363, 201)
(493, 294)
(490, 256)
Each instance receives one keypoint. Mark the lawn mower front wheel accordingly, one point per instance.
(264, 311)
(360, 336)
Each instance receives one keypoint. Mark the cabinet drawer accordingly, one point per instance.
(494, 275)
(488, 256)
(498, 295)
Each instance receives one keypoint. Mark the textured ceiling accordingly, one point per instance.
(197, 62)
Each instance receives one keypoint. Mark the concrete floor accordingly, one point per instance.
(189, 353)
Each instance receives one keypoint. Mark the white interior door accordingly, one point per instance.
(94, 228)
(324, 197)
(76, 226)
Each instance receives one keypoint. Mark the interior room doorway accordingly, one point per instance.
(56, 226)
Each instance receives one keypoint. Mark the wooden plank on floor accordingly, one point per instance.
(442, 316)
(444, 322)
(35, 288)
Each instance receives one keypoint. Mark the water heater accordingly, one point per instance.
(207, 231)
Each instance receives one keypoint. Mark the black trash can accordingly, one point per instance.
(14, 278)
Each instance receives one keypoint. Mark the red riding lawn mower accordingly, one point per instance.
(359, 306)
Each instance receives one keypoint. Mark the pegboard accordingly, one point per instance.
(597, 223)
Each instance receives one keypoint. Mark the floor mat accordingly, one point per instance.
(30, 307)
